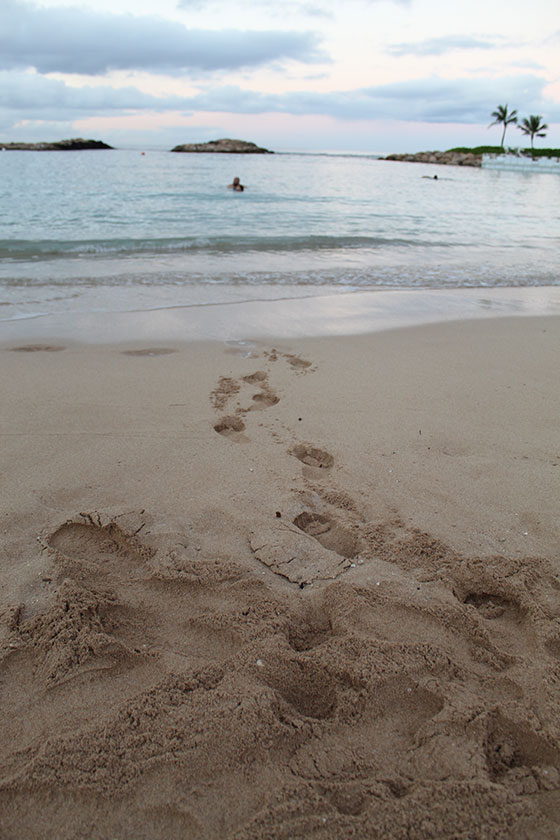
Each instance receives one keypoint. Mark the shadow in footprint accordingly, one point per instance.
(310, 630)
(38, 348)
(101, 549)
(231, 427)
(492, 607)
(328, 532)
(306, 687)
(255, 378)
(297, 362)
(312, 457)
(264, 399)
(553, 647)
(510, 745)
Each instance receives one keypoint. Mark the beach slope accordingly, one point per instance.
(294, 589)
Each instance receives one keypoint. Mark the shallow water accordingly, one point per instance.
(162, 229)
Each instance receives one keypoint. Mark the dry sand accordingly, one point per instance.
(282, 590)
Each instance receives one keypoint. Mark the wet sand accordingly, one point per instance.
(297, 588)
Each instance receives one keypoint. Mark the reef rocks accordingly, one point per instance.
(224, 146)
(447, 158)
(58, 146)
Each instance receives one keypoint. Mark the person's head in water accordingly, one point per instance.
(236, 185)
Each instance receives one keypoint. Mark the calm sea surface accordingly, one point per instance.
(120, 228)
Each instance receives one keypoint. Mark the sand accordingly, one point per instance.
(282, 589)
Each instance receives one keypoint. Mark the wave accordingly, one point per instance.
(26, 249)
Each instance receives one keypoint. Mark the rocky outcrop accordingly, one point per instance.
(224, 146)
(447, 158)
(58, 146)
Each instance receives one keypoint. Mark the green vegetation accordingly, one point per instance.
(499, 150)
(542, 152)
(503, 117)
(532, 126)
(480, 150)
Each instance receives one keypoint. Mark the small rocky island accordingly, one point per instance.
(73, 145)
(224, 146)
(450, 158)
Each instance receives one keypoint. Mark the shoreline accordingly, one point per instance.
(253, 312)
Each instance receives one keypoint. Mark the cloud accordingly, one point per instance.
(283, 8)
(439, 46)
(28, 96)
(430, 100)
(85, 42)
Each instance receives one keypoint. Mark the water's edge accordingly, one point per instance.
(335, 313)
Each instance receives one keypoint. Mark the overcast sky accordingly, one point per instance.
(369, 75)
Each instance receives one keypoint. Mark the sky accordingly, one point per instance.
(374, 76)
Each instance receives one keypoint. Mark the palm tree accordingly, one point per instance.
(533, 127)
(501, 115)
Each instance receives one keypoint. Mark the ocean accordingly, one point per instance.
(120, 230)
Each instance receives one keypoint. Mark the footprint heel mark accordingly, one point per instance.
(349, 799)
(328, 532)
(231, 427)
(309, 630)
(303, 685)
(311, 456)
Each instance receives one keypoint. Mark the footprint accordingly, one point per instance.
(309, 630)
(103, 548)
(149, 351)
(312, 457)
(231, 427)
(491, 607)
(349, 799)
(297, 362)
(38, 348)
(306, 687)
(264, 399)
(255, 378)
(553, 647)
(509, 745)
(328, 532)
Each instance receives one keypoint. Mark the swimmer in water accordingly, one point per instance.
(237, 186)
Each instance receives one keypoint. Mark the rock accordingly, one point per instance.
(445, 158)
(75, 144)
(224, 146)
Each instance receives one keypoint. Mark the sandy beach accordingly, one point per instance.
(282, 588)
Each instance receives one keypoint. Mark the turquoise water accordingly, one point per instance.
(77, 221)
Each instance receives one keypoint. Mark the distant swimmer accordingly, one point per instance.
(430, 177)
(237, 186)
